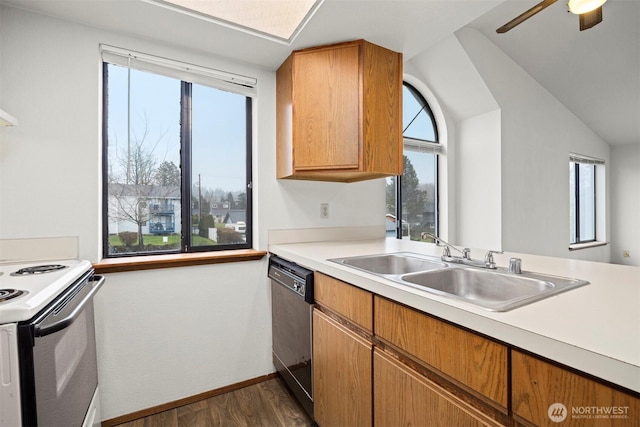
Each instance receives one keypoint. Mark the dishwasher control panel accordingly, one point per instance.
(296, 278)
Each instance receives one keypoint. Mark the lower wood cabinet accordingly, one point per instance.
(403, 397)
(377, 362)
(544, 394)
(467, 358)
(348, 301)
(342, 386)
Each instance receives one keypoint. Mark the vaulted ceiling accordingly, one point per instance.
(595, 73)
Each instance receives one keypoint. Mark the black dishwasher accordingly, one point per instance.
(291, 308)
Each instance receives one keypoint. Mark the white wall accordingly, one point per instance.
(479, 192)
(164, 334)
(538, 133)
(466, 103)
(625, 204)
(512, 136)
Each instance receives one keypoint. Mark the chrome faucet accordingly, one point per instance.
(465, 259)
(446, 252)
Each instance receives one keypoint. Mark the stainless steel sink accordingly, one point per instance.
(392, 264)
(492, 290)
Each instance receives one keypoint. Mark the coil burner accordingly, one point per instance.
(7, 294)
(38, 269)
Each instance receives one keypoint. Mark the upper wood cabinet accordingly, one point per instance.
(339, 113)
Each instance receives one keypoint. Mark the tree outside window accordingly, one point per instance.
(412, 200)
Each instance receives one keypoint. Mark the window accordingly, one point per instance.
(583, 202)
(412, 200)
(177, 161)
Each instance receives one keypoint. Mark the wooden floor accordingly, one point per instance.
(267, 404)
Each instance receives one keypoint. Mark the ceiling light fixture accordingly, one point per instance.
(584, 6)
(276, 19)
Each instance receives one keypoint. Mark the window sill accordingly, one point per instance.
(151, 262)
(578, 246)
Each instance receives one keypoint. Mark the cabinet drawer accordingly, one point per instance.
(403, 397)
(474, 361)
(349, 301)
(537, 385)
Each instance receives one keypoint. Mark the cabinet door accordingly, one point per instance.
(326, 108)
(472, 360)
(548, 395)
(341, 375)
(403, 397)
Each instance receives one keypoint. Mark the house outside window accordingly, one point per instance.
(412, 199)
(586, 198)
(177, 159)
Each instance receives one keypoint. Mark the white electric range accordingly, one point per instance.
(35, 285)
(48, 369)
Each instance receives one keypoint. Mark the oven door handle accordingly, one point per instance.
(41, 329)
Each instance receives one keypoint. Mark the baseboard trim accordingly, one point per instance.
(185, 401)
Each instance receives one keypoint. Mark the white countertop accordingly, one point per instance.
(594, 328)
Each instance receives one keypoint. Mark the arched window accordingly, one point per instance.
(412, 201)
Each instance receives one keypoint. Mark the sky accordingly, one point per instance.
(218, 126)
(420, 128)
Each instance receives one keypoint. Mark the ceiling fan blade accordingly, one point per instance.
(526, 15)
(589, 19)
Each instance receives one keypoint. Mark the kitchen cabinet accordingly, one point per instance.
(342, 353)
(469, 360)
(545, 394)
(342, 382)
(350, 302)
(370, 352)
(403, 397)
(339, 113)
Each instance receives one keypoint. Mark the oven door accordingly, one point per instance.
(58, 369)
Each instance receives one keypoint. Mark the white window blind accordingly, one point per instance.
(218, 79)
(422, 146)
(579, 158)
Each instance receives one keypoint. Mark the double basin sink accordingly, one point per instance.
(491, 289)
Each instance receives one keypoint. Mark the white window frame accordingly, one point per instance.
(195, 74)
(600, 238)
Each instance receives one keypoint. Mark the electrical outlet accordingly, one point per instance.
(626, 254)
(324, 210)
